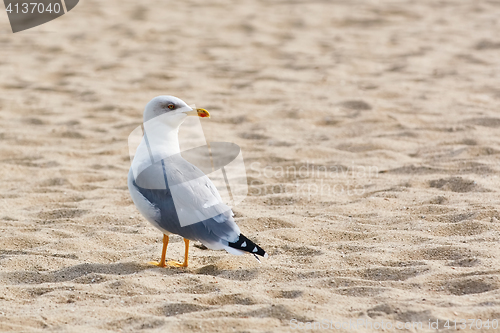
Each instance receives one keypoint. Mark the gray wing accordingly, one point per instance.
(180, 199)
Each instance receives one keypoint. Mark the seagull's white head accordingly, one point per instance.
(172, 109)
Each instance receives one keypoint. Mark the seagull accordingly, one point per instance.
(174, 195)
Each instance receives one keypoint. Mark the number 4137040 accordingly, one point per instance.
(33, 7)
(471, 323)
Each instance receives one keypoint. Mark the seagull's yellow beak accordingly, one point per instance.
(203, 113)
(199, 112)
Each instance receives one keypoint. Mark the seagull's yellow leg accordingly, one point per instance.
(186, 253)
(163, 253)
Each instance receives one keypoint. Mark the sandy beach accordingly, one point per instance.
(370, 135)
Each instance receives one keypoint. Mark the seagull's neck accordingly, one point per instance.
(162, 140)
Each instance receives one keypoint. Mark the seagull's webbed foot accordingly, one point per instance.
(186, 255)
(156, 263)
(172, 263)
(163, 253)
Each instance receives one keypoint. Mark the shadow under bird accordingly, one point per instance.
(173, 194)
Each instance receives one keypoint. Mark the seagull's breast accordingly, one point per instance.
(150, 211)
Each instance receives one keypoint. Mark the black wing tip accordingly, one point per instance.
(245, 244)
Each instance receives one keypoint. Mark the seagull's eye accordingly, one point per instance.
(171, 106)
